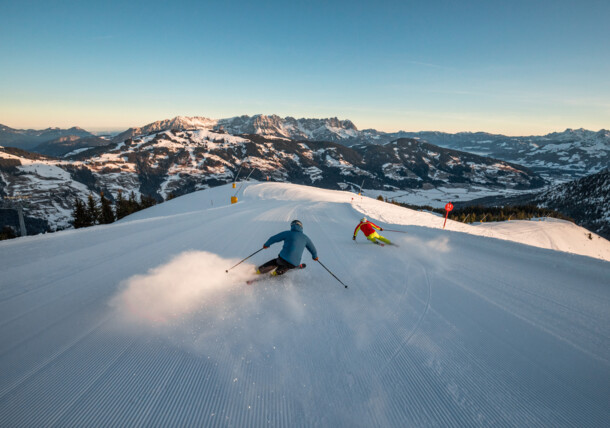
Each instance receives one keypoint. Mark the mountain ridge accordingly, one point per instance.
(28, 139)
(559, 156)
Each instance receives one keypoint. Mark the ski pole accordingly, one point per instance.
(390, 230)
(227, 271)
(334, 276)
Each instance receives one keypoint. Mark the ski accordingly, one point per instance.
(267, 276)
(384, 244)
(252, 281)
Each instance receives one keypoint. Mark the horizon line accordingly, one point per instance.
(117, 129)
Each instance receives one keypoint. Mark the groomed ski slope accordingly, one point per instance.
(137, 323)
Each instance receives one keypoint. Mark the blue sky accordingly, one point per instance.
(512, 67)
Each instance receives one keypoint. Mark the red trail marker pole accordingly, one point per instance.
(448, 207)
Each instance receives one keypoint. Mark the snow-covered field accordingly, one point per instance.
(437, 197)
(138, 324)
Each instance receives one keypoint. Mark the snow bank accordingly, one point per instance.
(559, 235)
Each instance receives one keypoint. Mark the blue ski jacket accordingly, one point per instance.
(295, 241)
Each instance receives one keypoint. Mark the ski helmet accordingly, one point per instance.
(297, 223)
(363, 219)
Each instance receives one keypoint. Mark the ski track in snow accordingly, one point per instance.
(448, 329)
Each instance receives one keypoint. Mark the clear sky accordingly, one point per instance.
(513, 67)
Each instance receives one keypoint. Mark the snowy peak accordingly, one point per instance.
(184, 123)
(178, 123)
(258, 124)
(330, 129)
(580, 134)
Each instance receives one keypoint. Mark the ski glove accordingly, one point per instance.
(264, 246)
(315, 258)
(353, 238)
(381, 229)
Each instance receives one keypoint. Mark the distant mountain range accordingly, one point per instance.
(330, 130)
(28, 139)
(559, 156)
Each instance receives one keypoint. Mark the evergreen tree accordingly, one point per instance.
(93, 211)
(79, 214)
(132, 203)
(7, 232)
(122, 206)
(106, 215)
(147, 201)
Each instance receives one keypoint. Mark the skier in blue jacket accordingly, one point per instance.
(295, 241)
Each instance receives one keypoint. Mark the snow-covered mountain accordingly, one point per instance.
(171, 163)
(561, 156)
(558, 156)
(178, 123)
(138, 324)
(331, 129)
(49, 186)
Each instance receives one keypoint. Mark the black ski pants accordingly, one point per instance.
(280, 265)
